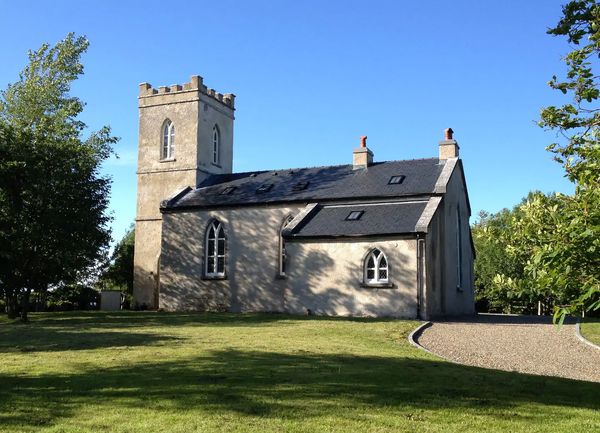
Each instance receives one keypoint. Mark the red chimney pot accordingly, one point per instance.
(363, 141)
(448, 133)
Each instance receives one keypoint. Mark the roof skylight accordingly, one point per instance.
(228, 190)
(396, 180)
(264, 188)
(300, 186)
(355, 215)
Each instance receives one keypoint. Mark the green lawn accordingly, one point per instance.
(158, 372)
(590, 329)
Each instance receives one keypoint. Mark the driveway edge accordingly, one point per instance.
(416, 333)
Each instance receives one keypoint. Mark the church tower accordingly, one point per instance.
(185, 134)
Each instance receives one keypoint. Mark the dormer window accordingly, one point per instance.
(168, 141)
(216, 138)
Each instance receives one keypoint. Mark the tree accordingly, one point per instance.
(505, 243)
(53, 200)
(570, 256)
(119, 270)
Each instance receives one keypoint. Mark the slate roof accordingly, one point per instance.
(324, 184)
(376, 219)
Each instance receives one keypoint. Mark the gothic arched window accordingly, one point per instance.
(214, 258)
(168, 140)
(376, 268)
(282, 251)
(216, 139)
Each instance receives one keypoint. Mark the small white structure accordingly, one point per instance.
(110, 300)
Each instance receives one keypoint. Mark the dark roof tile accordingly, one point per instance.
(377, 219)
(324, 183)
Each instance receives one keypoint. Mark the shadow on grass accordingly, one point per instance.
(145, 319)
(44, 339)
(80, 330)
(291, 386)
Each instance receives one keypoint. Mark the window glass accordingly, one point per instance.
(215, 250)
(376, 268)
(168, 140)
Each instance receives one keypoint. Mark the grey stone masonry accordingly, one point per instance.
(196, 84)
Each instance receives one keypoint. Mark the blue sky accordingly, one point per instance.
(312, 76)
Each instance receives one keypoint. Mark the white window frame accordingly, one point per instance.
(377, 255)
(282, 251)
(167, 149)
(213, 253)
(216, 140)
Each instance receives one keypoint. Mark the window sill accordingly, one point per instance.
(459, 289)
(281, 277)
(167, 160)
(215, 165)
(377, 285)
(214, 277)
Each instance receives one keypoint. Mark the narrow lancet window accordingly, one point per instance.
(214, 265)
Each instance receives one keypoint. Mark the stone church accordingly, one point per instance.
(369, 238)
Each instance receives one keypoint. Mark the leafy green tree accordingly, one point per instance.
(570, 256)
(53, 199)
(504, 248)
(119, 271)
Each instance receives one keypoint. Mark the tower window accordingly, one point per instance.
(168, 140)
(216, 138)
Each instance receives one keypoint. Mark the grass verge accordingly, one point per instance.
(160, 372)
(590, 329)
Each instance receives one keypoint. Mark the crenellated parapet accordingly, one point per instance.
(196, 84)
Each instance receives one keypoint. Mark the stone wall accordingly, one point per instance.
(324, 277)
(444, 294)
(194, 110)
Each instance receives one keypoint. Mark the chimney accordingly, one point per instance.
(362, 157)
(448, 146)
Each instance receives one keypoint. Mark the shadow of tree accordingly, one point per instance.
(292, 386)
(81, 320)
(47, 339)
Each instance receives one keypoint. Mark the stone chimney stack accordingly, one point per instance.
(448, 146)
(362, 157)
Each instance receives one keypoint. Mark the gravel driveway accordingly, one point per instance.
(527, 344)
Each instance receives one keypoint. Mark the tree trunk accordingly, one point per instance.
(25, 305)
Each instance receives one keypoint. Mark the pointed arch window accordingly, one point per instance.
(214, 259)
(167, 150)
(283, 258)
(376, 269)
(216, 140)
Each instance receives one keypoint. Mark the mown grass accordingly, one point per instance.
(590, 329)
(159, 372)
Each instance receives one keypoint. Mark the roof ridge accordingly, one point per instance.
(316, 166)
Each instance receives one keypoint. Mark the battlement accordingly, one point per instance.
(195, 84)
